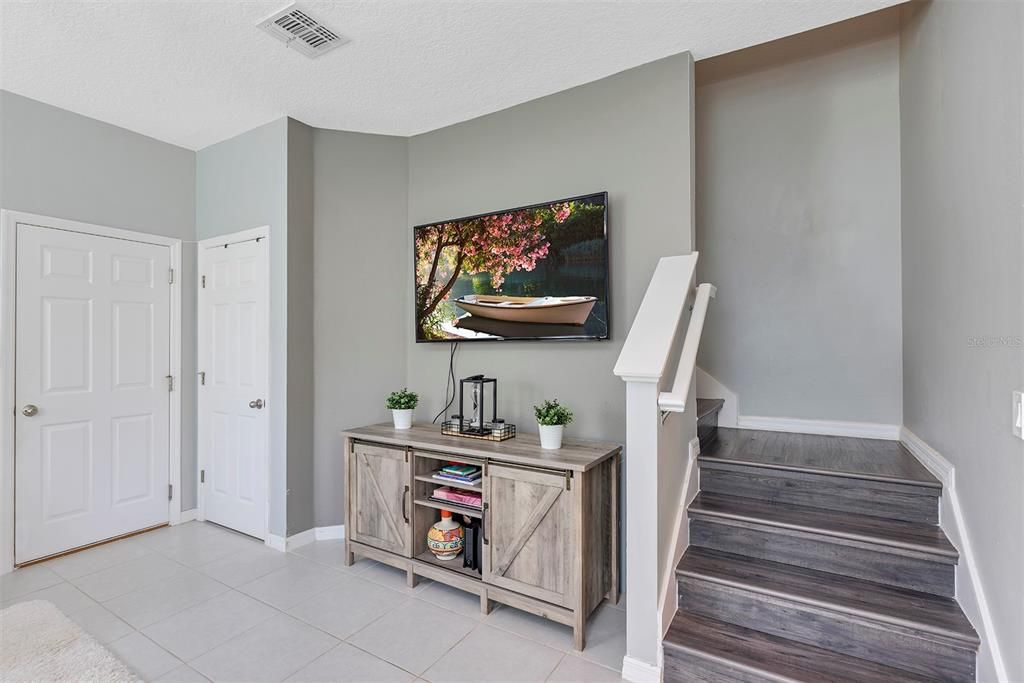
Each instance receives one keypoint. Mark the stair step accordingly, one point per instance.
(905, 554)
(866, 459)
(707, 421)
(707, 406)
(924, 633)
(837, 492)
(697, 648)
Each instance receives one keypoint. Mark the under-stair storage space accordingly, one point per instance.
(539, 528)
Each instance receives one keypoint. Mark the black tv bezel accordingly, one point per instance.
(574, 338)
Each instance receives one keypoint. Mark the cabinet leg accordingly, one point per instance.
(579, 633)
(410, 578)
(350, 557)
(485, 604)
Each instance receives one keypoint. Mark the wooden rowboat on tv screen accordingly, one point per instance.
(560, 310)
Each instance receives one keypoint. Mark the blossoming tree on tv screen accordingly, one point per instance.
(497, 245)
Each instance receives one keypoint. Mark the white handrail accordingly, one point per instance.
(674, 401)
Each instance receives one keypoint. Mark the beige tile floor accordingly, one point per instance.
(197, 602)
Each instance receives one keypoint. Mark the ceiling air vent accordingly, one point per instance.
(296, 29)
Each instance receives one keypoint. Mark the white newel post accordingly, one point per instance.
(643, 615)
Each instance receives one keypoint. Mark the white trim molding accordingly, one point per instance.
(187, 516)
(863, 430)
(668, 596)
(330, 533)
(320, 533)
(639, 672)
(970, 592)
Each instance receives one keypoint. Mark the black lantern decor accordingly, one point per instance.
(474, 424)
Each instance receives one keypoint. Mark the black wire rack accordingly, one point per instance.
(491, 431)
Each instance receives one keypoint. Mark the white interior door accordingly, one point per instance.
(234, 366)
(93, 406)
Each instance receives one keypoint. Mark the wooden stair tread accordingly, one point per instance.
(923, 612)
(771, 656)
(706, 406)
(871, 459)
(912, 536)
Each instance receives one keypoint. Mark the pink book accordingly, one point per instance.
(467, 498)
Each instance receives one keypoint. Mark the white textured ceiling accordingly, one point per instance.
(195, 73)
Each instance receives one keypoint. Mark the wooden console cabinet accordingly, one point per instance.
(549, 518)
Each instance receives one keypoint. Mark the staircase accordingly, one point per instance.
(815, 558)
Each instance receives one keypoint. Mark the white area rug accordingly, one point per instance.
(39, 643)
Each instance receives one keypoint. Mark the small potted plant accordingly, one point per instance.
(551, 420)
(401, 404)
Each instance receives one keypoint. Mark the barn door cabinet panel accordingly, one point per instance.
(379, 486)
(549, 518)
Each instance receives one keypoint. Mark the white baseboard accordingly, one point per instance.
(970, 593)
(320, 533)
(188, 516)
(330, 533)
(863, 430)
(640, 672)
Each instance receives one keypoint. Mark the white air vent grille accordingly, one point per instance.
(296, 29)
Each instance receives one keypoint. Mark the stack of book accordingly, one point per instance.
(459, 474)
(446, 494)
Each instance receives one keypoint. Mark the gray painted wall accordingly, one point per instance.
(57, 163)
(798, 223)
(360, 266)
(300, 327)
(628, 134)
(963, 276)
(242, 183)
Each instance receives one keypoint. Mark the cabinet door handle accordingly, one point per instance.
(487, 521)
(405, 515)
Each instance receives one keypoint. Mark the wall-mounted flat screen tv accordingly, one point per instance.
(535, 272)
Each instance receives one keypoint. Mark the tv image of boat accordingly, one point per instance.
(504, 329)
(551, 310)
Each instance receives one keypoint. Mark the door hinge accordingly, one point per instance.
(202, 282)
(170, 276)
(170, 383)
(202, 476)
(170, 492)
(202, 377)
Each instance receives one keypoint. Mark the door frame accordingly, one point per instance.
(260, 233)
(8, 300)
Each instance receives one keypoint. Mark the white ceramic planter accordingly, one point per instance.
(551, 436)
(402, 418)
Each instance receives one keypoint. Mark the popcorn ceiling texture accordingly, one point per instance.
(195, 73)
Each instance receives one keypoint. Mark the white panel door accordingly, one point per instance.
(233, 357)
(93, 407)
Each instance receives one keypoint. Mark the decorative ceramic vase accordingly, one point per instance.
(446, 538)
(402, 418)
(551, 436)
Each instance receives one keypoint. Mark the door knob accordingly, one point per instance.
(258, 404)
(30, 410)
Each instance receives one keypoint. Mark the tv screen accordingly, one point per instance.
(535, 272)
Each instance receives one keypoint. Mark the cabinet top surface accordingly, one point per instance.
(575, 454)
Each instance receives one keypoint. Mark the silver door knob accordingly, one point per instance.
(30, 410)
(258, 403)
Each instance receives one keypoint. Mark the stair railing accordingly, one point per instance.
(674, 401)
(659, 454)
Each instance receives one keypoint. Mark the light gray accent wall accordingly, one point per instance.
(628, 134)
(362, 294)
(962, 73)
(57, 163)
(798, 223)
(242, 183)
(300, 327)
